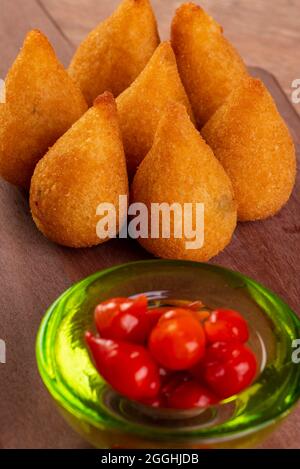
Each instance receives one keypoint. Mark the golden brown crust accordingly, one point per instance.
(252, 142)
(83, 169)
(141, 106)
(116, 51)
(181, 168)
(209, 66)
(42, 102)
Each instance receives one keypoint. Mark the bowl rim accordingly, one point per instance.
(133, 427)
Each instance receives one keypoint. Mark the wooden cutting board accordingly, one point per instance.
(34, 271)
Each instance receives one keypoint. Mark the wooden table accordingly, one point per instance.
(33, 271)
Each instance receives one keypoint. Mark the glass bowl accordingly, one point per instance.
(108, 420)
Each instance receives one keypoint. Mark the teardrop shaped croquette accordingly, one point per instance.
(252, 142)
(42, 102)
(182, 169)
(86, 167)
(116, 51)
(141, 106)
(209, 66)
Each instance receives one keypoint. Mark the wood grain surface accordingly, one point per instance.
(33, 271)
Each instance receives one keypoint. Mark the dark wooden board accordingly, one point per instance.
(34, 271)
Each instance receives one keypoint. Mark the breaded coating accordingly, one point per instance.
(210, 68)
(116, 51)
(84, 168)
(141, 106)
(251, 140)
(42, 102)
(181, 168)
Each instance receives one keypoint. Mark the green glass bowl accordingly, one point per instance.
(108, 420)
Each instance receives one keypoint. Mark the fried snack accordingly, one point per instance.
(181, 168)
(141, 106)
(253, 144)
(116, 51)
(84, 168)
(210, 68)
(42, 102)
